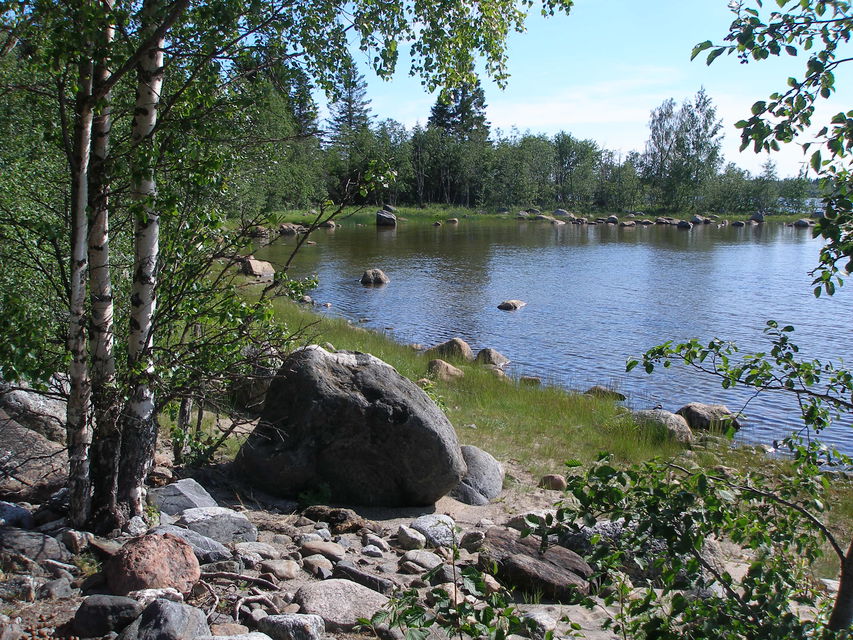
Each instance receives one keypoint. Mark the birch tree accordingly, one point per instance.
(183, 55)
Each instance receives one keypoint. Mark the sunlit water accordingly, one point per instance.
(595, 295)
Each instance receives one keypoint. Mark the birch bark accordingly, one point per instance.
(78, 419)
(106, 443)
(139, 427)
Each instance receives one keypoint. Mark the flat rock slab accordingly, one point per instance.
(557, 574)
(331, 550)
(98, 615)
(206, 549)
(167, 620)
(427, 560)
(348, 571)
(33, 545)
(339, 602)
(294, 626)
(184, 494)
(219, 523)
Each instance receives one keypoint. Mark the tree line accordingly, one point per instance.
(457, 159)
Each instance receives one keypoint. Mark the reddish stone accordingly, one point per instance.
(152, 562)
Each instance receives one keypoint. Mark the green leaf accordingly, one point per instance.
(716, 53)
(699, 48)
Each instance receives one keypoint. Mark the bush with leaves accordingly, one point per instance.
(774, 511)
(493, 617)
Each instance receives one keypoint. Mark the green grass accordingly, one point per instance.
(538, 427)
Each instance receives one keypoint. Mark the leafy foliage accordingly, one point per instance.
(819, 29)
(823, 391)
(678, 513)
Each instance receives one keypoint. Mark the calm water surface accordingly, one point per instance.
(595, 295)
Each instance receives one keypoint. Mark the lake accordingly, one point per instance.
(596, 296)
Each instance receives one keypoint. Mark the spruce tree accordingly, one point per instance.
(350, 110)
(461, 114)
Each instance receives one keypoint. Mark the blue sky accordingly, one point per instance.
(599, 72)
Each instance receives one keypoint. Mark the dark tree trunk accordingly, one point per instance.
(842, 611)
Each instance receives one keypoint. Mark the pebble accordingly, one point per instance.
(376, 541)
(409, 539)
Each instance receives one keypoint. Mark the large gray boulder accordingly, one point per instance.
(385, 219)
(484, 480)
(98, 615)
(32, 467)
(558, 573)
(373, 277)
(178, 496)
(13, 515)
(219, 523)
(340, 603)
(167, 620)
(44, 414)
(675, 424)
(31, 544)
(708, 416)
(293, 626)
(350, 422)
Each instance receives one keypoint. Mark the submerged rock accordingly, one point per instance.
(385, 219)
(511, 305)
(374, 277)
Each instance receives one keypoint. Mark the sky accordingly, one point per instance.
(598, 73)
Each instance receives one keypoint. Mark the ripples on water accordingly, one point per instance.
(596, 296)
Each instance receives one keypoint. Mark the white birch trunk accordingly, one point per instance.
(106, 443)
(79, 434)
(139, 432)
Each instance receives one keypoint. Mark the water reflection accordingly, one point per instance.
(596, 296)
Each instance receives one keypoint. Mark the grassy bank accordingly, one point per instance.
(540, 427)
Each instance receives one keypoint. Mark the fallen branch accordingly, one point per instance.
(227, 575)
